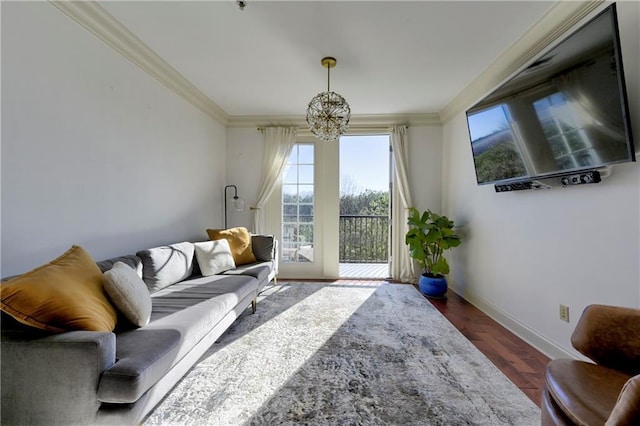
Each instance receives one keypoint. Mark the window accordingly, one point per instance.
(568, 141)
(298, 205)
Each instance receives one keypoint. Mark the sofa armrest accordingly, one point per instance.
(265, 249)
(610, 336)
(276, 258)
(53, 379)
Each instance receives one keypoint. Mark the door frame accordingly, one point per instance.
(326, 215)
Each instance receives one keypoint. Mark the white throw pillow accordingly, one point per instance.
(214, 257)
(128, 293)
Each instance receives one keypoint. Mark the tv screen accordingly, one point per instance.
(565, 113)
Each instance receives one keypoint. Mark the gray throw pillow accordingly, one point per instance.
(128, 293)
(131, 260)
(262, 246)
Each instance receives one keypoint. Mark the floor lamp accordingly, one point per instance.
(237, 203)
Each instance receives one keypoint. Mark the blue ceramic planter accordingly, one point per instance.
(432, 287)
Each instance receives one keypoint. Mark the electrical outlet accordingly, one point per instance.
(564, 313)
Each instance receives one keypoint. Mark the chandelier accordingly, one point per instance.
(328, 113)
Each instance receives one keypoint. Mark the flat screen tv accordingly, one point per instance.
(565, 113)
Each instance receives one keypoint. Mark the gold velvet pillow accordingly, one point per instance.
(239, 240)
(63, 295)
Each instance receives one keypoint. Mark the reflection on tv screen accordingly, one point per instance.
(565, 112)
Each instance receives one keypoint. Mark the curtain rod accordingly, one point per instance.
(262, 129)
(352, 129)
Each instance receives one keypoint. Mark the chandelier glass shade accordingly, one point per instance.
(328, 113)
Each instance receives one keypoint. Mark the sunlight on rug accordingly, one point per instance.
(279, 343)
(344, 353)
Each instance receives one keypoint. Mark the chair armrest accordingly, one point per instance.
(627, 408)
(53, 379)
(610, 336)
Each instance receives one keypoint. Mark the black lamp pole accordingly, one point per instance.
(235, 197)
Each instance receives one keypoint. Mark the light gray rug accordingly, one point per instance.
(346, 353)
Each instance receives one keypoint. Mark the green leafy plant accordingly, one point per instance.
(428, 237)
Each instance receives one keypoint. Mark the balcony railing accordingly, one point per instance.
(364, 239)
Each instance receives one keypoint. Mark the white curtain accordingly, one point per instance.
(402, 264)
(278, 145)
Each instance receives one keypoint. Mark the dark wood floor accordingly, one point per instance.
(517, 360)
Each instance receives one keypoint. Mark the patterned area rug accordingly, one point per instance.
(345, 353)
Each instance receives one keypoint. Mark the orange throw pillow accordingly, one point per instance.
(65, 294)
(239, 240)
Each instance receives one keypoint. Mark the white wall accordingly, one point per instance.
(425, 167)
(245, 148)
(94, 151)
(525, 253)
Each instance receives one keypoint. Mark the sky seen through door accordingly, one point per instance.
(364, 164)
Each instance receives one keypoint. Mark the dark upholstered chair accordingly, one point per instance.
(606, 392)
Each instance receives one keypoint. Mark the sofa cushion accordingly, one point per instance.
(585, 392)
(214, 257)
(258, 270)
(166, 265)
(184, 313)
(239, 240)
(128, 293)
(63, 295)
(143, 357)
(193, 291)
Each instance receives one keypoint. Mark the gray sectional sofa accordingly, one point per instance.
(88, 377)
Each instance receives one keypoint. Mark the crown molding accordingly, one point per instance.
(557, 21)
(103, 25)
(356, 123)
(107, 28)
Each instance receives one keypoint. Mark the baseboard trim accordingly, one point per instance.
(539, 342)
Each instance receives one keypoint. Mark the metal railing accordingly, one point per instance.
(364, 239)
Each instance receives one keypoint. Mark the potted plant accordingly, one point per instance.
(429, 236)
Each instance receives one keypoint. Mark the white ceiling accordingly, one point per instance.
(394, 57)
